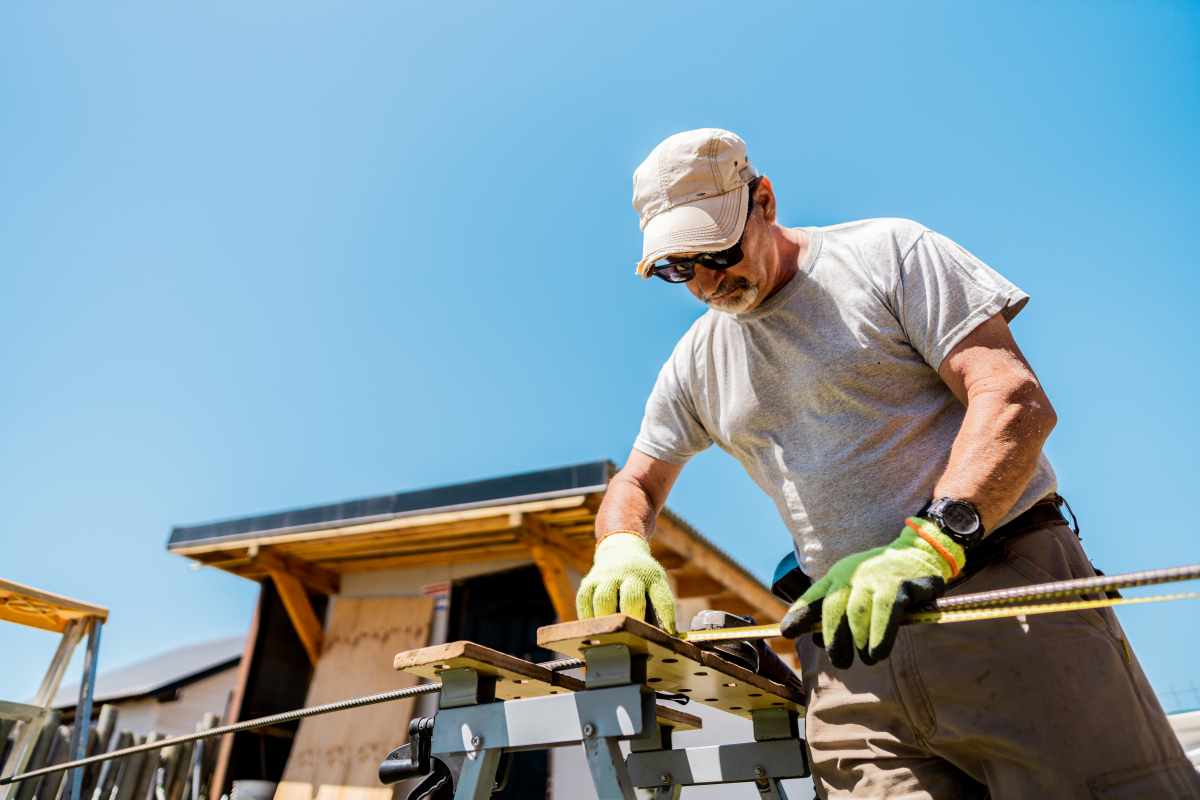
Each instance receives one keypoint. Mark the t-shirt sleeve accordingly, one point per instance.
(671, 430)
(943, 293)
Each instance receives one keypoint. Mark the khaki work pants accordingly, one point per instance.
(1046, 706)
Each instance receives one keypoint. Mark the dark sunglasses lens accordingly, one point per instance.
(723, 259)
(675, 273)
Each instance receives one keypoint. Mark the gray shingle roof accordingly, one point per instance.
(161, 673)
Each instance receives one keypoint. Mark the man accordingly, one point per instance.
(865, 376)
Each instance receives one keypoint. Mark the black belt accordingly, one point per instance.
(1043, 514)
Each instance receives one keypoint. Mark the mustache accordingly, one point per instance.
(727, 289)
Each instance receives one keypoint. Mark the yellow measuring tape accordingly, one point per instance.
(772, 631)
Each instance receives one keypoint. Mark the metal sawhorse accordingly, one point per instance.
(34, 608)
(492, 704)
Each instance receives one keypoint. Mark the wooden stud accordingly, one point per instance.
(221, 768)
(300, 612)
(558, 585)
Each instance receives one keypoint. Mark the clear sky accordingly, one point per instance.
(262, 255)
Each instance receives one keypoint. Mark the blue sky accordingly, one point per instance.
(255, 256)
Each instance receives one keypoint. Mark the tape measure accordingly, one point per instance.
(930, 617)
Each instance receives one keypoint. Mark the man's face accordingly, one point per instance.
(738, 289)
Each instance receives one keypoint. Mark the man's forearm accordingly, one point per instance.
(636, 495)
(997, 448)
(626, 507)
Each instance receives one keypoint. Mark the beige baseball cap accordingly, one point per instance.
(691, 195)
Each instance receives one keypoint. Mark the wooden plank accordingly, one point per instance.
(437, 558)
(35, 608)
(387, 525)
(431, 533)
(558, 585)
(399, 546)
(516, 678)
(735, 578)
(344, 749)
(300, 612)
(320, 579)
(675, 665)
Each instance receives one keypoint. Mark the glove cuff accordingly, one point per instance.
(946, 547)
(611, 540)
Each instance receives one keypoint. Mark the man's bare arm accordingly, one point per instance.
(1008, 420)
(636, 495)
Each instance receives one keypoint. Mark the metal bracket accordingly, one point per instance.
(775, 723)
(622, 712)
(763, 763)
(465, 687)
(613, 665)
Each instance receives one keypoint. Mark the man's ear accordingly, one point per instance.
(764, 198)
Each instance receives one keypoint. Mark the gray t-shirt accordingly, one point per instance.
(828, 392)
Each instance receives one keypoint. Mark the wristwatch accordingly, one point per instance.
(958, 519)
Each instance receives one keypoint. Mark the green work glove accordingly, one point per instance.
(860, 601)
(624, 570)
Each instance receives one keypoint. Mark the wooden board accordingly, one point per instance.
(517, 678)
(675, 665)
(346, 748)
(25, 605)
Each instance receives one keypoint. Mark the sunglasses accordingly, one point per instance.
(684, 270)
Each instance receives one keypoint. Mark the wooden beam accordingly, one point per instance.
(300, 612)
(319, 579)
(669, 559)
(535, 531)
(216, 788)
(734, 578)
(558, 585)
(696, 586)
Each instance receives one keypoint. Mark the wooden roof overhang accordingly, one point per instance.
(548, 516)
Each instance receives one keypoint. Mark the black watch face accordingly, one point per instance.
(960, 519)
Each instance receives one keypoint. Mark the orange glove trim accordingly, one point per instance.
(936, 545)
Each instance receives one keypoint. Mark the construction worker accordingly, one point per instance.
(866, 377)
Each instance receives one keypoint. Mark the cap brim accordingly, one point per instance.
(702, 226)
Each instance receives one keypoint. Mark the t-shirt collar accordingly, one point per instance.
(816, 238)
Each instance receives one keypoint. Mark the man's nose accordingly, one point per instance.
(709, 279)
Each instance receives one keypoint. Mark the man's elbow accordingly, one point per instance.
(1037, 414)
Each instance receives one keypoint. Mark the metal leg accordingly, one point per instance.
(478, 776)
(83, 708)
(668, 792)
(608, 769)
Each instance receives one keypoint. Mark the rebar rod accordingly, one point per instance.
(262, 722)
(1043, 591)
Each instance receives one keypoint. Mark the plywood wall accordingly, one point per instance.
(364, 634)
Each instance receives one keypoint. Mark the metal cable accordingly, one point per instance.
(262, 722)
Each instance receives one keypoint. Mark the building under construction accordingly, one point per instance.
(347, 586)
